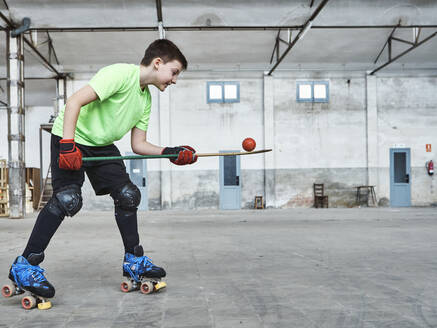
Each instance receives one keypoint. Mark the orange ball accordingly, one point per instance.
(249, 144)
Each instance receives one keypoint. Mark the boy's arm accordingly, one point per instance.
(140, 145)
(80, 98)
(70, 157)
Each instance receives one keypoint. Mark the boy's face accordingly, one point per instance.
(167, 73)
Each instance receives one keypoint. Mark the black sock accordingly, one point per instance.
(45, 227)
(128, 226)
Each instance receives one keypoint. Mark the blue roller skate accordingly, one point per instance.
(26, 275)
(141, 273)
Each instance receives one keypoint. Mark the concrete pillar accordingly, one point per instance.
(15, 76)
(372, 131)
(165, 140)
(269, 142)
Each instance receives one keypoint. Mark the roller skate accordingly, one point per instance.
(140, 273)
(26, 275)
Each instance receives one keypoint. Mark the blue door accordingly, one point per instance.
(137, 170)
(230, 188)
(400, 177)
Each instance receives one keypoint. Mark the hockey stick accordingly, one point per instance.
(107, 158)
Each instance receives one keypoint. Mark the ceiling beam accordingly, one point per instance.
(52, 49)
(217, 28)
(11, 26)
(33, 78)
(388, 41)
(404, 53)
(6, 20)
(59, 75)
(301, 33)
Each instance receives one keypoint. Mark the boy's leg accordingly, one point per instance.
(110, 177)
(126, 201)
(66, 201)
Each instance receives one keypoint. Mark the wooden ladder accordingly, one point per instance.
(46, 191)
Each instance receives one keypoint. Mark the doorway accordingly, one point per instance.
(230, 184)
(400, 177)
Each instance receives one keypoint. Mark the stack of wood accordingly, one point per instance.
(4, 202)
(33, 188)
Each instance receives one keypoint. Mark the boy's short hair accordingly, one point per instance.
(166, 50)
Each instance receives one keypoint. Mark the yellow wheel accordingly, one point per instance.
(44, 305)
(147, 287)
(126, 286)
(160, 285)
(28, 302)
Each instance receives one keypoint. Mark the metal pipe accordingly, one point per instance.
(25, 24)
(159, 10)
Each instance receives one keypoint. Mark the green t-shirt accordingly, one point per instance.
(121, 106)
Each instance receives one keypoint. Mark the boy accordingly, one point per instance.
(116, 100)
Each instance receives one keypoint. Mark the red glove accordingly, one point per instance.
(70, 157)
(186, 154)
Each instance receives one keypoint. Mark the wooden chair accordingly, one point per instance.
(320, 199)
(259, 202)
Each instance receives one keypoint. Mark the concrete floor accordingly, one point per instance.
(266, 268)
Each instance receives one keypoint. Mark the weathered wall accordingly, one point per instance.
(319, 142)
(324, 143)
(407, 117)
(328, 143)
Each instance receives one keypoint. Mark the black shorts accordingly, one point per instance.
(105, 176)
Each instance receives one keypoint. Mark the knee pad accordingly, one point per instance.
(54, 207)
(68, 200)
(128, 197)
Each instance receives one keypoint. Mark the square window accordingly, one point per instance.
(220, 92)
(317, 91)
(305, 91)
(230, 91)
(215, 92)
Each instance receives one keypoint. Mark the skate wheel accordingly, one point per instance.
(126, 286)
(160, 285)
(45, 305)
(147, 287)
(28, 302)
(8, 290)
